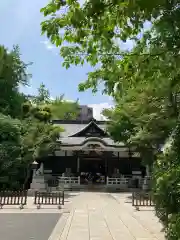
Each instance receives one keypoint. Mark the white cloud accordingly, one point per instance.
(98, 108)
(48, 45)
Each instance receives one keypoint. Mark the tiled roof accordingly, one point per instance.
(80, 140)
(73, 127)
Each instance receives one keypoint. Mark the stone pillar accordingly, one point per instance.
(146, 184)
(38, 182)
(147, 171)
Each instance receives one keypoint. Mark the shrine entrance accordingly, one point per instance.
(92, 167)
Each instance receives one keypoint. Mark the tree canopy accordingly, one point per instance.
(58, 108)
(92, 32)
(26, 131)
(13, 73)
(144, 81)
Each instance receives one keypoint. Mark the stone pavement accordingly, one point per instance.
(92, 216)
(102, 216)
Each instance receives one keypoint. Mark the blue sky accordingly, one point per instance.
(20, 24)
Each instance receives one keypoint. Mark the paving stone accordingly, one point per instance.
(99, 216)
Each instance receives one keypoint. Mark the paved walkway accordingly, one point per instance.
(102, 216)
(85, 216)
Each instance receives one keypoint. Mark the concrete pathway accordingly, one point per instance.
(102, 216)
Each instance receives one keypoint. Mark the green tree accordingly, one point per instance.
(29, 137)
(23, 141)
(95, 29)
(58, 108)
(166, 187)
(43, 96)
(39, 136)
(10, 151)
(13, 74)
(62, 109)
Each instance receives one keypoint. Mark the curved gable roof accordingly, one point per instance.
(72, 127)
(90, 129)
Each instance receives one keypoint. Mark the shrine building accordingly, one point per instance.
(87, 155)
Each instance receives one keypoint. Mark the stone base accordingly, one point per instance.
(38, 183)
(146, 186)
(31, 192)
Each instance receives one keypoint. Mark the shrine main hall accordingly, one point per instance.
(86, 154)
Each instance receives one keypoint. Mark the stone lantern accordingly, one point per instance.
(38, 178)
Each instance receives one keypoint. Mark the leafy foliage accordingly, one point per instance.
(62, 109)
(144, 81)
(26, 132)
(57, 108)
(95, 29)
(166, 187)
(10, 150)
(43, 95)
(39, 135)
(13, 73)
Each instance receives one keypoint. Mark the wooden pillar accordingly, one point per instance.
(130, 160)
(130, 154)
(119, 165)
(78, 162)
(106, 163)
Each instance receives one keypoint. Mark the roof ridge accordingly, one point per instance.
(59, 121)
